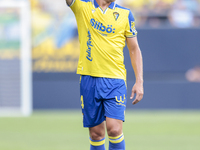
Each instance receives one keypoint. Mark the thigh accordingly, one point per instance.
(115, 108)
(115, 101)
(92, 108)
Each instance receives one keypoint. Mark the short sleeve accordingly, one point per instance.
(75, 6)
(130, 28)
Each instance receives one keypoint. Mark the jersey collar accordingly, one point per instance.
(96, 5)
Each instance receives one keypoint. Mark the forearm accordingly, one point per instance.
(136, 58)
(137, 63)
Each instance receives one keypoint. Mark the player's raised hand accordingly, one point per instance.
(138, 90)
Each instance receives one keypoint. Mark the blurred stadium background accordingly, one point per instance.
(167, 118)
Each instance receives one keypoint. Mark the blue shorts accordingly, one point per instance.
(101, 98)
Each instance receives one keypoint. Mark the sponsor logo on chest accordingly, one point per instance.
(101, 27)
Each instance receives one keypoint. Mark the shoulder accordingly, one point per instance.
(78, 5)
(79, 2)
(126, 11)
(120, 7)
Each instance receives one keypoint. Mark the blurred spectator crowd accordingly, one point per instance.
(147, 13)
(165, 13)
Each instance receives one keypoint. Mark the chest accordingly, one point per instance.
(105, 22)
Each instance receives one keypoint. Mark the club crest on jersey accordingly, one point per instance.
(116, 15)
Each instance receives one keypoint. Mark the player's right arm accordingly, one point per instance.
(76, 6)
(69, 2)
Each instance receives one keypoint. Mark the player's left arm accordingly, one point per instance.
(137, 64)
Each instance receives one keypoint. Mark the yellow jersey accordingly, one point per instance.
(102, 35)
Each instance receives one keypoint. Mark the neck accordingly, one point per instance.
(103, 3)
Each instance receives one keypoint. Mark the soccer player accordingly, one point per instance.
(103, 28)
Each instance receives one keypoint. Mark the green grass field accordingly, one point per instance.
(143, 130)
